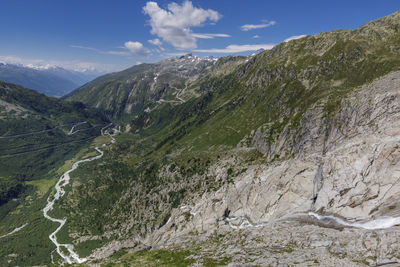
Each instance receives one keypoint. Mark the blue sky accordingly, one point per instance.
(107, 35)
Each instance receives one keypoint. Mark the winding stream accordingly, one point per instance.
(73, 257)
(241, 222)
(379, 223)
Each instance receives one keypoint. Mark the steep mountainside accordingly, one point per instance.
(34, 136)
(265, 144)
(53, 81)
(37, 136)
(142, 87)
(290, 156)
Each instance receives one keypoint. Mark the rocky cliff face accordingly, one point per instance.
(347, 167)
(333, 201)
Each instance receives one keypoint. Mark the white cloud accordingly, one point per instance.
(156, 42)
(248, 27)
(120, 53)
(136, 48)
(87, 48)
(294, 37)
(173, 24)
(10, 59)
(236, 48)
(209, 35)
(117, 53)
(130, 48)
(84, 66)
(256, 36)
(76, 65)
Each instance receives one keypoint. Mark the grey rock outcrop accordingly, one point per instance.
(346, 165)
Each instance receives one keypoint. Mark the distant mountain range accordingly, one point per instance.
(53, 81)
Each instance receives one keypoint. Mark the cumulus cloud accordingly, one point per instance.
(136, 48)
(236, 48)
(174, 24)
(256, 36)
(156, 42)
(294, 37)
(248, 27)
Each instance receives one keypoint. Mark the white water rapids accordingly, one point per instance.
(241, 222)
(73, 257)
(379, 223)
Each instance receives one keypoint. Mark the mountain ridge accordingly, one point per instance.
(133, 90)
(52, 81)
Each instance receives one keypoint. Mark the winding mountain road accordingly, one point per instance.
(71, 132)
(43, 131)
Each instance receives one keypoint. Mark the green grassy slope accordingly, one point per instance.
(30, 165)
(164, 159)
(33, 156)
